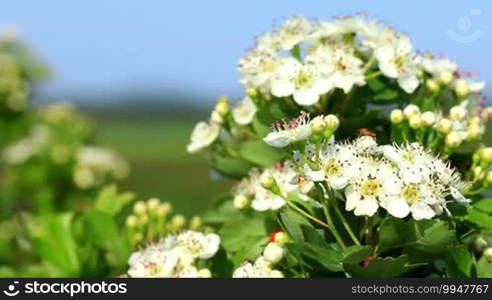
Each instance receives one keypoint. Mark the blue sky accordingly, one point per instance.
(101, 47)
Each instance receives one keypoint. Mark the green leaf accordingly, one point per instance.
(459, 262)
(376, 84)
(484, 205)
(108, 200)
(380, 267)
(262, 129)
(484, 268)
(479, 218)
(260, 153)
(393, 233)
(232, 167)
(56, 245)
(386, 95)
(102, 231)
(433, 235)
(292, 222)
(245, 235)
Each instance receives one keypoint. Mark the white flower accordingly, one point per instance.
(412, 160)
(304, 82)
(374, 184)
(339, 164)
(199, 245)
(27, 147)
(244, 111)
(396, 61)
(339, 65)
(203, 135)
(260, 269)
(153, 262)
(258, 68)
(283, 134)
(292, 32)
(273, 252)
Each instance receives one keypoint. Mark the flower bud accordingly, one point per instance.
(454, 139)
(251, 92)
(273, 253)
(131, 221)
(428, 118)
(432, 85)
(318, 125)
(177, 222)
(411, 110)
(444, 126)
(140, 208)
(415, 121)
(216, 117)
(457, 113)
(461, 88)
(488, 178)
(487, 253)
(267, 180)
(486, 154)
(397, 116)
(478, 172)
(480, 244)
(276, 274)
(474, 131)
(281, 238)
(164, 209)
(143, 220)
(153, 204)
(204, 273)
(137, 237)
(222, 106)
(445, 77)
(332, 122)
(195, 223)
(475, 121)
(241, 201)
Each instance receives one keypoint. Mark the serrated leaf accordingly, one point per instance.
(380, 267)
(108, 200)
(231, 167)
(479, 218)
(459, 262)
(258, 152)
(433, 235)
(393, 233)
(484, 205)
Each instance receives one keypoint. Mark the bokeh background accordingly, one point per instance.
(146, 71)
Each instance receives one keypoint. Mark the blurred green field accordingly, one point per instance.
(160, 165)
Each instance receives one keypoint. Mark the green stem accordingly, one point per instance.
(346, 225)
(312, 218)
(373, 75)
(332, 227)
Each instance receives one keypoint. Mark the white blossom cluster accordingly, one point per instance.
(306, 59)
(22, 150)
(175, 257)
(93, 164)
(403, 180)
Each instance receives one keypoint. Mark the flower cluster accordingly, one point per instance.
(264, 265)
(175, 256)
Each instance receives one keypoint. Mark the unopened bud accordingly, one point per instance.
(282, 238)
(461, 88)
(164, 209)
(486, 154)
(478, 172)
(153, 204)
(428, 118)
(273, 253)
(267, 180)
(318, 125)
(140, 208)
(222, 106)
(454, 139)
(487, 253)
(474, 131)
(457, 113)
(488, 178)
(411, 110)
(195, 223)
(446, 77)
(415, 122)
(276, 274)
(143, 220)
(131, 221)
(444, 126)
(397, 116)
(137, 237)
(480, 244)
(241, 201)
(252, 93)
(177, 222)
(332, 122)
(216, 117)
(204, 273)
(432, 85)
